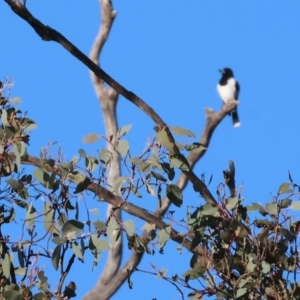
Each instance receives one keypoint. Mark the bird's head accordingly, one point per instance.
(226, 72)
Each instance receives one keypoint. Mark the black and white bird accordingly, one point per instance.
(228, 89)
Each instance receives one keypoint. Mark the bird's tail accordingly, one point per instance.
(235, 118)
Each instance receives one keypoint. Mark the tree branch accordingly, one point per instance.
(49, 34)
(108, 99)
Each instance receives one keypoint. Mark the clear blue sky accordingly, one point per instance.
(168, 53)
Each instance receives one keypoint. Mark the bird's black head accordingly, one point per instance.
(227, 72)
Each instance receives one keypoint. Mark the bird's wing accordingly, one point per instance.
(237, 91)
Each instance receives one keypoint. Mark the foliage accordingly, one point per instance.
(235, 254)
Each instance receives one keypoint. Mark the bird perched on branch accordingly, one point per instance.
(228, 89)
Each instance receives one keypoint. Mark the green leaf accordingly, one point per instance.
(91, 163)
(159, 190)
(82, 245)
(150, 189)
(265, 267)
(77, 250)
(42, 177)
(285, 188)
(164, 140)
(6, 266)
(135, 191)
(129, 227)
(21, 258)
(49, 223)
(181, 131)
(15, 184)
(231, 203)
(56, 257)
(241, 292)
(15, 100)
(23, 193)
(96, 258)
(20, 148)
(4, 118)
(164, 236)
(257, 206)
(66, 168)
(264, 234)
(196, 272)
(142, 166)
(195, 148)
(77, 211)
(29, 124)
(195, 296)
(117, 185)
(20, 271)
(155, 152)
(82, 186)
(179, 162)
(91, 138)
(263, 223)
(105, 156)
(12, 295)
(72, 225)
(30, 215)
(62, 219)
(82, 153)
(174, 194)
(123, 130)
(137, 161)
(39, 296)
(286, 233)
(285, 203)
(123, 147)
(58, 240)
(18, 160)
(272, 208)
(158, 176)
(100, 244)
(169, 170)
(21, 203)
(295, 205)
(76, 177)
(112, 225)
(208, 210)
(154, 163)
(99, 225)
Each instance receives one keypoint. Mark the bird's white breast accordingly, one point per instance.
(227, 92)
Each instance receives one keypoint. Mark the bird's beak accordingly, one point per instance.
(221, 71)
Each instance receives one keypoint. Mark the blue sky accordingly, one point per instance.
(168, 53)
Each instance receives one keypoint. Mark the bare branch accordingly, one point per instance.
(108, 99)
(49, 34)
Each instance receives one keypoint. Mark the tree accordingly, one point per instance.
(248, 264)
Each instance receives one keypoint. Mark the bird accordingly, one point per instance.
(228, 89)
